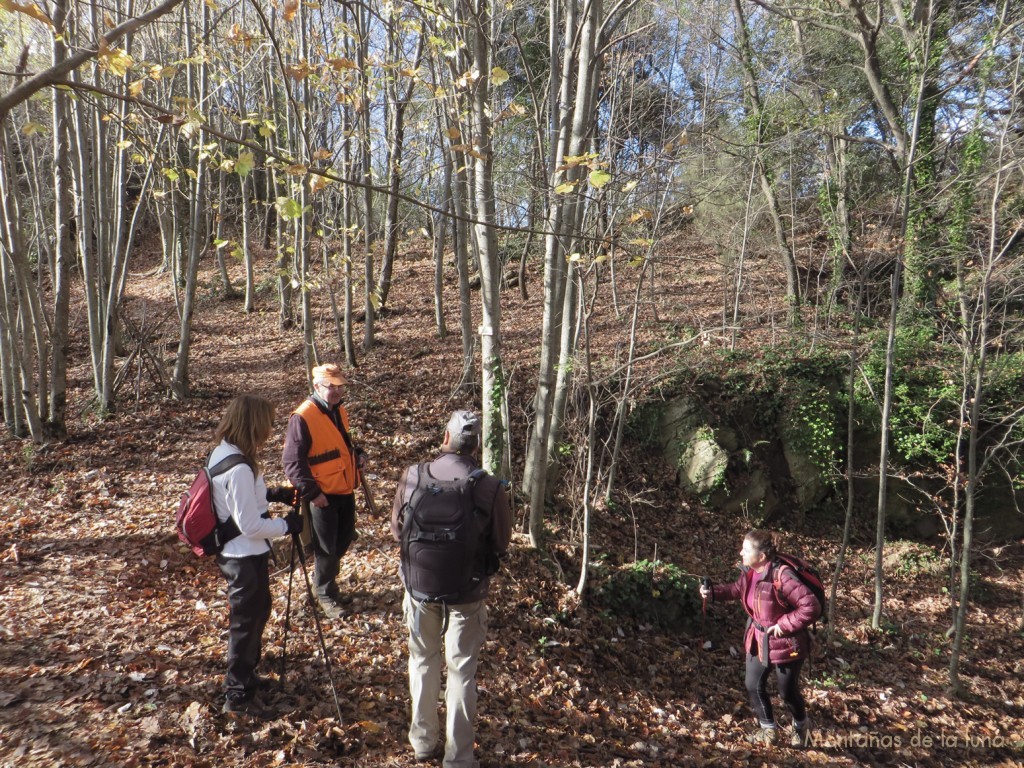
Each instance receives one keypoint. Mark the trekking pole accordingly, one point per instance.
(287, 610)
(705, 582)
(369, 496)
(297, 546)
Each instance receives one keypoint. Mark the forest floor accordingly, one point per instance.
(112, 635)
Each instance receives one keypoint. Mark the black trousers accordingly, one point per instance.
(788, 677)
(248, 612)
(334, 528)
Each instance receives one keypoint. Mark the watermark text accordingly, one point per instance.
(964, 739)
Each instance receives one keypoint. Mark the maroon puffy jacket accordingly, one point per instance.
(793, 607)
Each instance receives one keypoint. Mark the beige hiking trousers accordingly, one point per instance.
(467, 629)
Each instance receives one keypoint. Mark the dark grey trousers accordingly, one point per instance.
(334, 528)
(788, 678)
(248, 612)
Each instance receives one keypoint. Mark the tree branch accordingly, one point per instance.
(53, 75)
(166, 115)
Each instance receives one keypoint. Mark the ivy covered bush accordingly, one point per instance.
(655, 593)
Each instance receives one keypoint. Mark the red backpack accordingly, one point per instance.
(196, 519)
(808, 574)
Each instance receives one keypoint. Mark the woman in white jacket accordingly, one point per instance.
(240, 494)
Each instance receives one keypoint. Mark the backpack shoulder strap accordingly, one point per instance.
(412, 484)
(777, 568)
(228, 529)
(227, 463)
(471, 481)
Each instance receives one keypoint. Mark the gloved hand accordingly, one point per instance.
(294, 522)
(705, 587)
(281, 494)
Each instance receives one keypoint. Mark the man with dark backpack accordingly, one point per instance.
(454, 524)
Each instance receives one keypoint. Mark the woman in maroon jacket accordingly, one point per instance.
(780, 609)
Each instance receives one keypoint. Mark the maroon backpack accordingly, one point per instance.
(807, 573)
(196, 520)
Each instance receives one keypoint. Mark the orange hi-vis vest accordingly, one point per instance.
(330, 459)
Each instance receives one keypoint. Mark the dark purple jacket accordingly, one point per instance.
(793, 607)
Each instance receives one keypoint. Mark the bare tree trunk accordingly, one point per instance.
(440, 230)
(365, 163)
(250, 281)
(399, 100)
(970, 496)
(302, 232)
(221, 241)
(64, 238)
(755, 112)
(851, 424)
(565, 220)
(589, 480)
(198, 86)
(347, 220)
(454, 112)
(883, 456)
(495, 454)
(978, 334)
(347, 217)
(555, 250)
(460, 203)
(883, 464)
(20, 321)
(112, 251)
(565, 372)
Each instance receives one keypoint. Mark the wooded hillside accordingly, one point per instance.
(560, 215)
(113, 634)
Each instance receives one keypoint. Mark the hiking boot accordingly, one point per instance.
(265, 684)
(332, 607)
(800, 737)
(429, 757)
(335, 594)
(766, 736)
(247, 708)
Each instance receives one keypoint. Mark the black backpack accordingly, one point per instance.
(441, 542)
